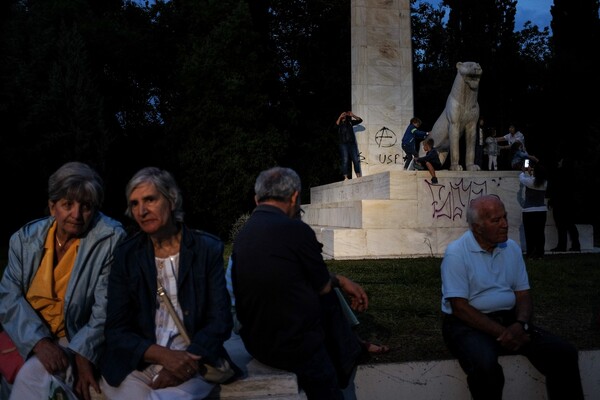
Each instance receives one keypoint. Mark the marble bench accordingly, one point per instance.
(258, 382)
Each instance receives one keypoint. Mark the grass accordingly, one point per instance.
(404, 302)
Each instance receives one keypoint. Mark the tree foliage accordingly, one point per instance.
(217, 90)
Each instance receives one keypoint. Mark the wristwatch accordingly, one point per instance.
(525, 325)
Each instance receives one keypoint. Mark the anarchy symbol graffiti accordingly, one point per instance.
(385, 137)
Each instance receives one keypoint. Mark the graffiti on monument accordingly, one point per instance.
(451, 201)
(386, 138)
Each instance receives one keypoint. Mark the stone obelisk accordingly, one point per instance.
(382, 91)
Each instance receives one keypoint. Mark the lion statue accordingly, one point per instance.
(459, 118)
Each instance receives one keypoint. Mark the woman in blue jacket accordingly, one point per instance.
(149, 354)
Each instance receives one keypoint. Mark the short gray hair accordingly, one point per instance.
(76, 181)
(277, 183)
(478, 205)
(164, 183)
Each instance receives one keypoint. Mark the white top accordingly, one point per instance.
(167, 334)
(513, 138)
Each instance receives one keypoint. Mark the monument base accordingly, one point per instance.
(401, 214)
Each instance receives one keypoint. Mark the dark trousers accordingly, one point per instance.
(331, 367)
(411, 152)
(478, 352)
(534, 224)
(565, 225)
(350, 156)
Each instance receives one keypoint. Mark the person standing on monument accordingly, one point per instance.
(510, 138)
(480, 143)
(409, 140)
(491, 150)
(347, 143)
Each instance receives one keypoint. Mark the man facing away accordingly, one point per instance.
(488, 309)
(290, 317)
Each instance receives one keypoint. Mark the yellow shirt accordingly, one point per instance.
(49, 286)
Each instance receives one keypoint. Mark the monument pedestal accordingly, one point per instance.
(400, 214)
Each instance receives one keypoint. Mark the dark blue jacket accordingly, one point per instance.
(132, 302)
(433, 157)
(411, 134)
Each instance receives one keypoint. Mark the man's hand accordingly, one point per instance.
(359, 300)
(513, 337)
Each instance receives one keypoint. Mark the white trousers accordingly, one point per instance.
(33, 382)
(137, 386)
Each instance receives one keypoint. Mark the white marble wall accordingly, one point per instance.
(382, 91)
(398, 214)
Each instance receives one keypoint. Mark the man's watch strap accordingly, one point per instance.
(524, 324)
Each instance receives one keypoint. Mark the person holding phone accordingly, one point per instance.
(519, 155)
(535, 183)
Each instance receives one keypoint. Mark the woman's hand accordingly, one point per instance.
(52, 357)
(181, 364)
(85, 378)
(164, 379)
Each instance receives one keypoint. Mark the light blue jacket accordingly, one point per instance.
(85, 299)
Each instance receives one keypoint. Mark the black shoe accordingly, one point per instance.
(558, 249)
(434, 180)
(575, 248)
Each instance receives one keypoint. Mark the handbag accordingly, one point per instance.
(222, 371)
(10, 359)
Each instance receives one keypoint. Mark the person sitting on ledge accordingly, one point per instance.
(488, 309)
(431, 159)
(290, 315)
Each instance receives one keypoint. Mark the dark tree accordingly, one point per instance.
(572, 121)
(216, 91)
(50, 102)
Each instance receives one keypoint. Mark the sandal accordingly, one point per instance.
(375, 348)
